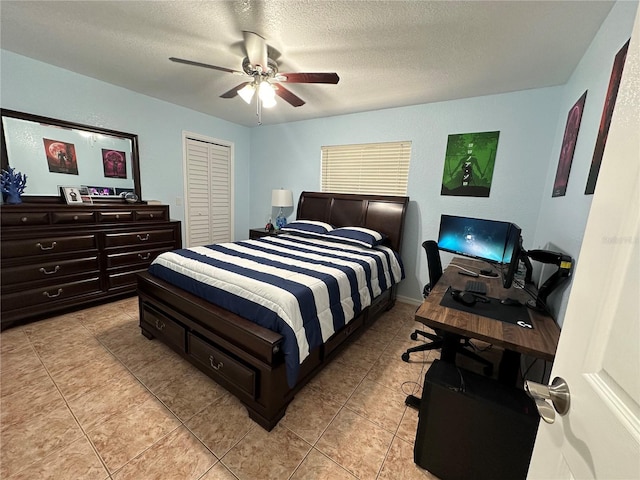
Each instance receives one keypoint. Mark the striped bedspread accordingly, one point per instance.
(302, 288)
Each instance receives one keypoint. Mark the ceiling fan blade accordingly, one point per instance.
(205, 65)
(234, 91)
(256, 47)
(309, 77)
(289, 96)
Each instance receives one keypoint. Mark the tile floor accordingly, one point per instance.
(86, 396)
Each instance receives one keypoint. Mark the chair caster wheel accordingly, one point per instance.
(405, 357)
(414, 336)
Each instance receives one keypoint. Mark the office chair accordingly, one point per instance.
(434, 265)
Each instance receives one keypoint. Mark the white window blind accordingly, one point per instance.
(370, 168)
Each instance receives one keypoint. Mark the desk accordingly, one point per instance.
(540, 342)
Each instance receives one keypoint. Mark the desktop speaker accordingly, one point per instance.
(471, 426)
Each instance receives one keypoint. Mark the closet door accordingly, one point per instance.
(208, 192)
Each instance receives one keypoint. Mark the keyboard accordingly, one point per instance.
(474, 286)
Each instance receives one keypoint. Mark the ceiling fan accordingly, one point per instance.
(265, 78)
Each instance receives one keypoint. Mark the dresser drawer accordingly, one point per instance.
(48, 245)
(221, 365)
(159, 214)
(10, 219)
(49, 271)
(160, 325)
(124, 279)
(115, 217)
(142, 237)
(137, 258)
(53, 294)
(72, 217)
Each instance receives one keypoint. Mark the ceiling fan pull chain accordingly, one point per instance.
(259, 111)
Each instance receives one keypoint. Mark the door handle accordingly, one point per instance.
(557, 392)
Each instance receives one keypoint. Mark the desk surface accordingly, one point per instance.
(540, 342)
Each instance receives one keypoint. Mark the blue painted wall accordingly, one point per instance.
(531, 125)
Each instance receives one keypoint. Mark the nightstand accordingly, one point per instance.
(261, 232)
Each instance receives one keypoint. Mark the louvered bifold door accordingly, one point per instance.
(208, 193)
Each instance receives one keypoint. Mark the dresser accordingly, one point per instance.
(58, 257)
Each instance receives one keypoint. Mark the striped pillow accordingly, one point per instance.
(363, 237)
(307, 227)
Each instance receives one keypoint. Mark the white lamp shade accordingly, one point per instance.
(247, 92)
(281, 198)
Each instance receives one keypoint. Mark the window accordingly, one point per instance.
(370, 168)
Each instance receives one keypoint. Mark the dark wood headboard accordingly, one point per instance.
(382, 213)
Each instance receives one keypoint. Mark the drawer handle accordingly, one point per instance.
(44, 270)
(24, 219)
(75, 217)
(160, 324)
(215, 367)
(145, 256)
(151, 215)
(42, 247)
(47, 294)
(117, 216)
(143, 239)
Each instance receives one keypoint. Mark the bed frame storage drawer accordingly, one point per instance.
(339, 337)
(222, 366)
(161, 326)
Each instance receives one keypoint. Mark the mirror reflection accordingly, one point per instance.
(54, 153)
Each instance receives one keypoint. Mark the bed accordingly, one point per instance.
(263, 361)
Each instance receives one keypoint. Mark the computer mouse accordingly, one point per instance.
(511, 302)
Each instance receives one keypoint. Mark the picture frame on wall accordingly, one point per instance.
(605, 121)
(568, 147)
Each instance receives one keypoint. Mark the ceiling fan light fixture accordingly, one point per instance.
(247, 92)
(267, 95)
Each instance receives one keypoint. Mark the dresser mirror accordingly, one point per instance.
(55, 153)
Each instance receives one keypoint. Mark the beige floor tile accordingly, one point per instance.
(222, 424)
(74, 357)
(307, 417)
(37, 400)
(399, 464)
(117, 395)
(75, 382)
(101, 321)
(76, 461)
(267, 455)
(357, 444)
(14, 380)
(360, 355)
(12, 339)
(316, 466)
(383, 406)
(127, 434)
(189, 394)
(337, 381)
(16, 362)
(178, 455)
(392, 372)
(219, 472)
(375, 339)
(36, 438)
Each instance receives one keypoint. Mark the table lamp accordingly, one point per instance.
(281, 198)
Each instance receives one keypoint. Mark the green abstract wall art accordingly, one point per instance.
(469, 163)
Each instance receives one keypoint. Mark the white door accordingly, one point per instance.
(208, 191)
(599, 350)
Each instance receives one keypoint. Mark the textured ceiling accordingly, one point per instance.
(387, 53)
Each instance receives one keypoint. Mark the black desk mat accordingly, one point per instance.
(493, 309)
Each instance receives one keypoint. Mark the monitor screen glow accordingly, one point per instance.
(473, 237)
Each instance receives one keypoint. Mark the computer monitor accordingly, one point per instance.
(511, 256)
(493, 241)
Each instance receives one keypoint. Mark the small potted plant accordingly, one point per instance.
(12, 184)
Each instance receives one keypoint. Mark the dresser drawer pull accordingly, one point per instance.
(143, 239)
(146, 256)
(212, 361)
(75, 217)
(47, 294)
(42, 247)
(24, 219)
(43, 270)
(160, 324)
(151, 215)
